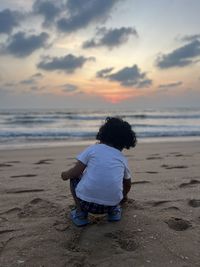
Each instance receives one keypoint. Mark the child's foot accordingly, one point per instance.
(115, 214)
(79, 218)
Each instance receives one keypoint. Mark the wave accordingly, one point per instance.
(51, 118)
(164, 116)
(43, 135)
(169, 134)
(30, 121)
(89, 135)
(165, 126)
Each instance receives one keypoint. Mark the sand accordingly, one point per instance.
(160, 224)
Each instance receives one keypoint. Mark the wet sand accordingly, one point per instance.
(160, 224)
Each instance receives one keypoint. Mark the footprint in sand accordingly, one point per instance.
(5, 165)
(14, 161)
(140, 182)
(128, 244)
(178, 224)
(172, 208)
(40, 208)
(195, 203)
(174, 167)
(61, 226)
(20, 191)
(175, 154)
(44, 161)
(23, 176)
(159, 203)
(190, 183)
(4, 231)
(11, 211)
(124, 239)
(177, 167)
(151, 158)
(162, 202)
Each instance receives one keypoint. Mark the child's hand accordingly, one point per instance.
(74, 172)
(124, 200)
(63, 176)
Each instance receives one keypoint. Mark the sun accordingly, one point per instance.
(119, 95)
(115, 98)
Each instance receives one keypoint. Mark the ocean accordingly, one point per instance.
(38, 128)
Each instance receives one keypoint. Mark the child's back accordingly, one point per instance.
(102, 181)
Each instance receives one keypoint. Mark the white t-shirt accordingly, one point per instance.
(102, 180)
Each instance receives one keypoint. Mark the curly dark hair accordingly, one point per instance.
(117, 133)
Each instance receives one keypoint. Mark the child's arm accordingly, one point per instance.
(126, 188)
(74, 172)
(126, 182)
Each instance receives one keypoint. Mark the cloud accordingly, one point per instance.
(37, 88)
(81, 15)
(68, 63)
(68, 88)
(111, 37)
(189, 38)
(8, 20)
(180, 57)
(32, 80)
(22, 45)
(128, 77)
(168, 85)
(28, 81)
(103, 73)
(48, 9)
(37, 75)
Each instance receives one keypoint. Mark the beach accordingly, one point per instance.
(160, 223)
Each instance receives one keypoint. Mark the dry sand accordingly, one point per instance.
(160, 224)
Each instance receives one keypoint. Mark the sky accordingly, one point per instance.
(99, 53)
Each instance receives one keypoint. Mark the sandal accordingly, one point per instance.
(115, 215)
(79, 218)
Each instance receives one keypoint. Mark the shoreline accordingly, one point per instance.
(83, 143)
